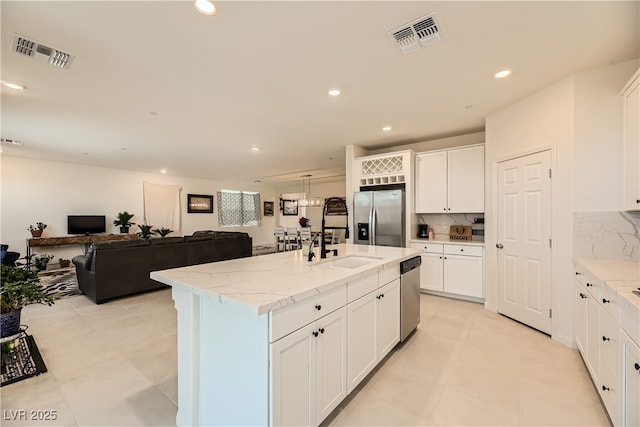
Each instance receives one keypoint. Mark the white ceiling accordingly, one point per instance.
(257, 74)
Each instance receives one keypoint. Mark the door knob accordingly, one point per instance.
(499, 245)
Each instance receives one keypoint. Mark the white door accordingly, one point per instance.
(466, 180)
(524, 240)
(388, 298)
(293, 378)
(463, 275)
(331, 362)
(431, 182)
(362, 338)
(431, 273)
(631, 373)
(582, 319)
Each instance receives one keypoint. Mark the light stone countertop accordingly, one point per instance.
(269, 282)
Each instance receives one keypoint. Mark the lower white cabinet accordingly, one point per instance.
(582, 316)
(309, 371)
(631, 375)
(452, 268)
(373, 330)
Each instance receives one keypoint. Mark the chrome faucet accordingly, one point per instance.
(323, 244)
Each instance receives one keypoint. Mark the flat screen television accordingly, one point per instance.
(86, 224)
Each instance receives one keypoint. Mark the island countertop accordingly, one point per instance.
(269, 282)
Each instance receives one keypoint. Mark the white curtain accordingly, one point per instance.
(162, 206)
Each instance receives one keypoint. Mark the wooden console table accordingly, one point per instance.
(74, 240)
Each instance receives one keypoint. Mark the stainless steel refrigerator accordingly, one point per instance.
(378, 218)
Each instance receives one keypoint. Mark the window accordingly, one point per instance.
(237, 208)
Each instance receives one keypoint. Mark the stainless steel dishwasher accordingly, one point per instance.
(409, 296)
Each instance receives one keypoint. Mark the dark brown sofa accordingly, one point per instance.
(114, 269)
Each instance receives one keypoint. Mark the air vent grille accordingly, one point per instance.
(420, 32)
(29, 47)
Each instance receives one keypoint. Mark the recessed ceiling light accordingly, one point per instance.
(502, 74)
(386, 128)
(15, 86)
(205, 7)
(255, 149)
(163, 171)
(334, 92)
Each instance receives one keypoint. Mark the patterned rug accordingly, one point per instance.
(60, 283)
(21, 359)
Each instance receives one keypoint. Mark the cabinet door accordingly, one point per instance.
(463, 275)
(331, 362)
(293, 378)
(431, 272)
(631, 374)
(466, 180)
(431, 182)
(388, 298)
(632, 145)
(362, 339)
(582, 306)
(593, 338)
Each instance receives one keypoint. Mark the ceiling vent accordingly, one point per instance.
(32, 48)
(421, 32)
(11, 141)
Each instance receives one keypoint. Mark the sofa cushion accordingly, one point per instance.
(166, 240)
(198, 238)
(118, 244)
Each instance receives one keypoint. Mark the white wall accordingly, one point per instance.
(37, 190)
(579, 119)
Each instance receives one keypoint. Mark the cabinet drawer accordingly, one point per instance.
(361, 286)
(463, 250)
(610, 302)
(293, 317)
(593, 286)
(433, 248)
(388, 274)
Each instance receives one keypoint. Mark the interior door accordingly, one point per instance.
(524, 240)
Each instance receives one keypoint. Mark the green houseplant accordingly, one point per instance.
(18, 288)
(162, 231)
(123, 220)
(145, 231)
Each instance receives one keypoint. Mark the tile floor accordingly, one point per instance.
(115, 365)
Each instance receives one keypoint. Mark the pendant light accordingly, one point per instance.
(307, 201)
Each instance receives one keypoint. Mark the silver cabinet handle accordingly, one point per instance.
(499, 245)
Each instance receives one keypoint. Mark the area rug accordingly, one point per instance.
(22, 362)
(60, 283)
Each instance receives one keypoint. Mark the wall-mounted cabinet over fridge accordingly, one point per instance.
(379, 218)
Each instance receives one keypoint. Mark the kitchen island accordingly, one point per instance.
(279, 340)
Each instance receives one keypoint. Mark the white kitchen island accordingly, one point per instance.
(278, 340)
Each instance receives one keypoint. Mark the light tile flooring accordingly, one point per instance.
(115, 365)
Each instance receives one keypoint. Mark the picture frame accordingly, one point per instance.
(199, 203)
(290, 207)
(268, 209)
(336, 208)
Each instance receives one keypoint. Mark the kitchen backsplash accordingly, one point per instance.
(441, 223)
(610, 235)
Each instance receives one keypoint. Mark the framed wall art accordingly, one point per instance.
(290, 207)
(268, 209)
(199, 203)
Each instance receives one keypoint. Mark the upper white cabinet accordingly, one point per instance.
(450, 181)
(631, 96)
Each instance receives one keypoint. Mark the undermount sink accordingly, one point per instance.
(349, 262)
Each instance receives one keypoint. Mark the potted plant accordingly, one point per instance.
(41, 261)
(36, 230)
(18, 288)
(123, 220)
(304, 222)
(162, 231)
(145, 231)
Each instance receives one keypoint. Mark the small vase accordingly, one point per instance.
(10, 323)
(36, 233)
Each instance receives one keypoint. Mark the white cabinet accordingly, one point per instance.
(610, 363)
(631, 374)
(582, 316)
(309, 371)
(631, 96)
(373, 330)
(455, 269)
(450, 181)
